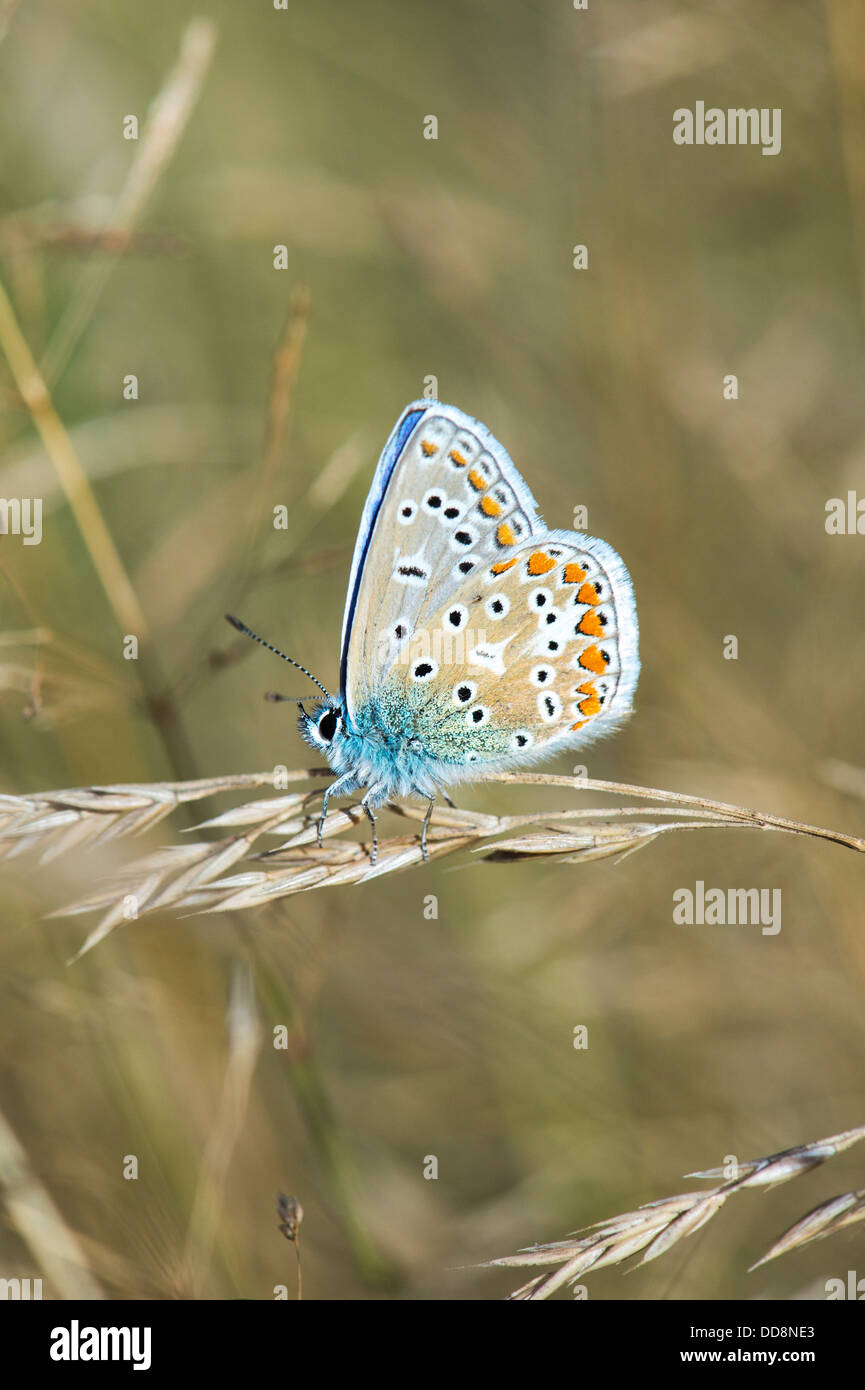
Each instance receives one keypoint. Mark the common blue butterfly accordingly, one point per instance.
(474, 639)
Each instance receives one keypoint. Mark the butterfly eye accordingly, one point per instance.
(327, 724)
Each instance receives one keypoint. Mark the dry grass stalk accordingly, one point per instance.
(166, 121)
(823, 1220)
(194, 877)
(285, 368)
(244, 1045)
(657, 1226)
(73, 478)
(55, 1247)
(290, 1214)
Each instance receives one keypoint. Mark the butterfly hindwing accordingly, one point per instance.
(547, 657)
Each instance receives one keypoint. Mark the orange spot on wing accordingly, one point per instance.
(428, 447)
(540, 563)
(578, 725)
(505, 536)
(477, 480)
(458, 458)
(590, 624)
(502, 565)
(590, 706)
(587, 688)
(573, 574)
(592, 660)
(588, 594)
(489, 506)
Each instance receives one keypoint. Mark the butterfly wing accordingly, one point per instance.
(435, 468)
(549, 658)
(475, 629)
(391, 455)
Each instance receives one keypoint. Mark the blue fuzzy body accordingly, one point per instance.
(385, 750)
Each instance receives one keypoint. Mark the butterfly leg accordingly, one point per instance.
(340, 787)
(425, 828)
(371, 818)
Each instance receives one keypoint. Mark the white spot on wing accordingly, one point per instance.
(490, 655)
(549, 706)
(410, 569)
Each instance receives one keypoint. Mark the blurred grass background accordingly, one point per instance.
(452, 258)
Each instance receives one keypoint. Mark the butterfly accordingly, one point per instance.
(474, 639)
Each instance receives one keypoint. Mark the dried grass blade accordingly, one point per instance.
(823, 1220)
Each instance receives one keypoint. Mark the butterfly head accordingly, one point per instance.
(324, 726)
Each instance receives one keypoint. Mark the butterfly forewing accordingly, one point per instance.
(452, 500)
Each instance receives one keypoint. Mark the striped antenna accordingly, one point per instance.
(241, 627)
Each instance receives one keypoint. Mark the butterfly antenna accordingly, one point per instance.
(241, 627)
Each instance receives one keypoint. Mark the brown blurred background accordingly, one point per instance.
(449, 258)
